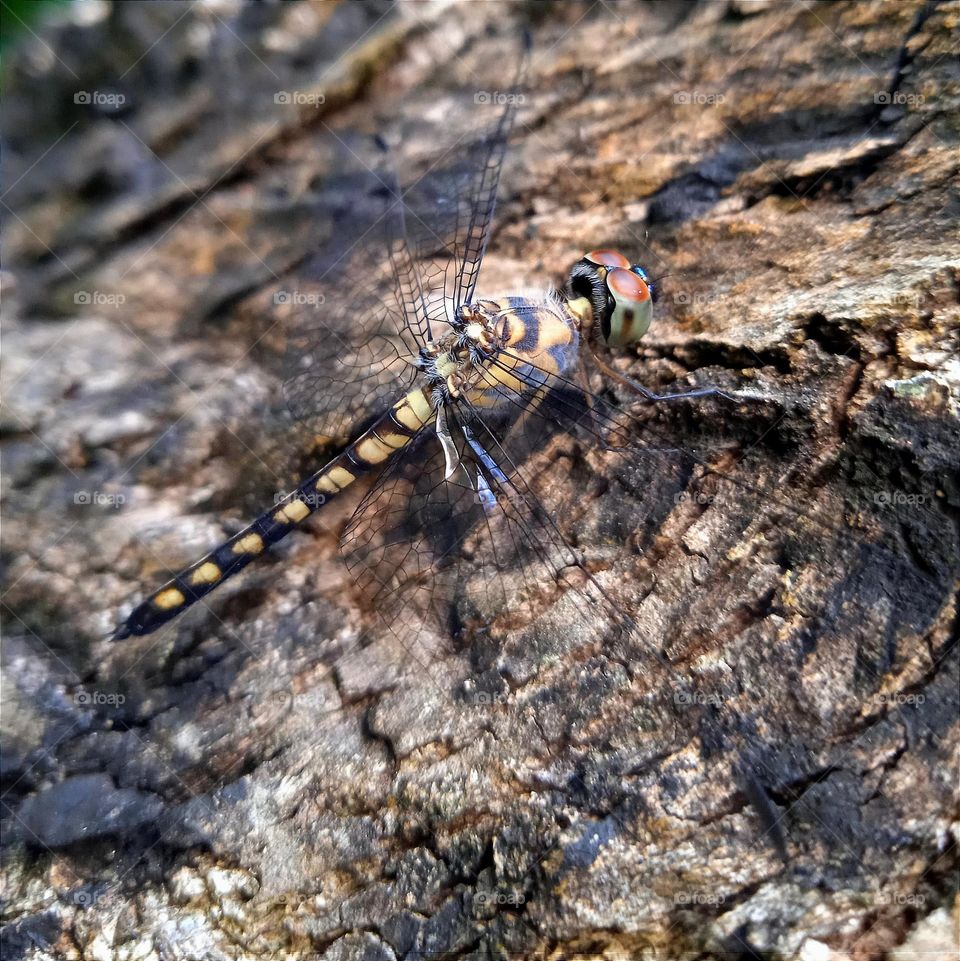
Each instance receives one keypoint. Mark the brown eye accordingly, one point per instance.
(608, 258)
(626, 285)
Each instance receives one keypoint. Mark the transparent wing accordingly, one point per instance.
(482, 195)
(447, 212)
(570, 524)
(352, 330)
(740, 452)
(407, 546)
(347, 364)
(483, 549)
(744, 515)
(402, 260)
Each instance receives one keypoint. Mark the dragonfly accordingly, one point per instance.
(470, 408)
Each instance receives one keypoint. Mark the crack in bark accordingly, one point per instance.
(905, 57)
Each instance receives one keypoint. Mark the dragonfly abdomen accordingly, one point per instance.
(389, 434)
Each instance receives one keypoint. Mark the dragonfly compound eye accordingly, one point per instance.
(607, 258)
(632, 307)
(619, 294)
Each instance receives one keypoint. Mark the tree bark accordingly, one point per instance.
(273, 777)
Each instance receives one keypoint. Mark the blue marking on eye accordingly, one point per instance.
(642, 274)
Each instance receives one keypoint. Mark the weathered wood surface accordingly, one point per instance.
(256, 781)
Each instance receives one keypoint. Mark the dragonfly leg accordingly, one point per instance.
(651, 395)
(581, 379)
(450, 451)
(679, 395)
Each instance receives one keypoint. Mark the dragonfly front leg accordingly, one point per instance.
(489, 464)
(652, 395)
(485, 493)
(679, 395)
(450, 452)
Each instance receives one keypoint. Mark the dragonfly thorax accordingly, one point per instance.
(450, 363)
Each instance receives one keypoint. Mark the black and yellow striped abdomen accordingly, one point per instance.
(391, 433)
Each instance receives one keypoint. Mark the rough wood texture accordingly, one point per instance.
(261, 781)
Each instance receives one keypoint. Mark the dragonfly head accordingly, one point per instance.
(619, 292)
